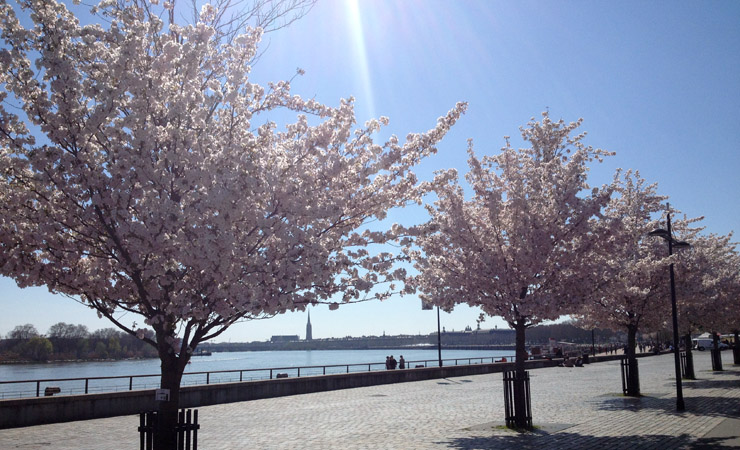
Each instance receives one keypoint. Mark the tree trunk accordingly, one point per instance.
(521, 348)
(736, 348)
(173, 366)
(690, 374)
(716, 355)
(520, 392)
(633, 378)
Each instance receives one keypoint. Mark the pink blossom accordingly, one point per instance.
(516, 249)
(161, 187)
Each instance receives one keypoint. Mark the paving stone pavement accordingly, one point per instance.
(573, 408)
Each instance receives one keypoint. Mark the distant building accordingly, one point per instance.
(285, 338)
(309, 333)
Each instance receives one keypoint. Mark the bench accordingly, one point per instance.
(51, 390)
(282, 375)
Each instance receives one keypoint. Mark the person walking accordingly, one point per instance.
(401, 362)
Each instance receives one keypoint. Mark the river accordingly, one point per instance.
(255, 365)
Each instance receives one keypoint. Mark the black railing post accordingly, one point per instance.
(180, 429)
(147, 427)
(188, 421)
(690, 374)
(716, 360)
(195, 430)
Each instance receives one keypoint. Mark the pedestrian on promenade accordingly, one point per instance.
(393, 362)
(387, 363)
(401, 362)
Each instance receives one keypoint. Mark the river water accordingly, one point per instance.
(254, 365)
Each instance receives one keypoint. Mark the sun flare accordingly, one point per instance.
(354, 21)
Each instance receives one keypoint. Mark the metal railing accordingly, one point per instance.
(88, 385)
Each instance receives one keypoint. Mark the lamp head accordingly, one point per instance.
(660, 233)
(678, 245)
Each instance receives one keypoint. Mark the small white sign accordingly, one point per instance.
(162, 395)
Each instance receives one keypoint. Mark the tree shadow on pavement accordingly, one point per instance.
(538, 441)
(712, 384)
(712, 444)
(704, 405)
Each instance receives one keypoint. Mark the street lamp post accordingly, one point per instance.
(666, 234)
(426, 305)
(439, 340)
(593, 343)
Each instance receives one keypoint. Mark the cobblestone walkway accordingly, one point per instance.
(572, 407)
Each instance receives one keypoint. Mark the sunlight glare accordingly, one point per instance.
(354, 22)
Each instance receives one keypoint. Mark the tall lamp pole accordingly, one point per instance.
(427, 305)
(666, 234)
(439, 339)
(593, 343)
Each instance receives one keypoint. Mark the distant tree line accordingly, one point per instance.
(64, 342)
(540, 335)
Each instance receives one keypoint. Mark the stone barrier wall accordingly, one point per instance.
(67, 408)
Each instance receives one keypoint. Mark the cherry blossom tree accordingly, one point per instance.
(142, 176)
(709, 277)
(709, 281)
(516, 248)
(631, 287)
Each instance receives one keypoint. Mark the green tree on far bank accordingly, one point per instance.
(38, 348)
(66, 342)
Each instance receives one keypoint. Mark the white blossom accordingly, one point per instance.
(156, 190)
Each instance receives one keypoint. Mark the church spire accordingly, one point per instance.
(309, 333)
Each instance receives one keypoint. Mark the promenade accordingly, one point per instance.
(573, 408)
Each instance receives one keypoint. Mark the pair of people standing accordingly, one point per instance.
(391, 363)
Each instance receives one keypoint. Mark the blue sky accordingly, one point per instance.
(656, 82)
